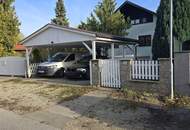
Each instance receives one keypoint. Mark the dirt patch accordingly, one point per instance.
(118, 114)
(24, 96)
(152, 99)
(60, 93)
(130, 111)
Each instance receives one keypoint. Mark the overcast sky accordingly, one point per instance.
(34, 14)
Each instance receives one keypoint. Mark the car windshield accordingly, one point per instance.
(58, 57)
(85, 60)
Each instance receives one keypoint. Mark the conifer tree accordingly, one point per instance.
(105, 19)
(181, 18)
(9, 28)
(60, 11)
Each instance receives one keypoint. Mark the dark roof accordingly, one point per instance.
(97, 34)
(136, 6)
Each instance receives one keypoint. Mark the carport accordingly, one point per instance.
(66, 37)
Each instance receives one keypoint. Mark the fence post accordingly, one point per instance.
(28, 63)
(95, 73)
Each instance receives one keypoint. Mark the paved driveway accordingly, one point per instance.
(11, 121)
(97, 110)
(50, 80)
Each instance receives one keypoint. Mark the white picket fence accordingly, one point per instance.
(110, 73)
(145, 70)
(33, 68)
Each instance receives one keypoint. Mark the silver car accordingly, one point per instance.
(57, 64)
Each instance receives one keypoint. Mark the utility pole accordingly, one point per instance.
(171, 49)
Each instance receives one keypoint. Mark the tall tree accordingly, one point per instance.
(9, 28)
(105, 19)
(181, 26)
(60, 11)
(21, 36)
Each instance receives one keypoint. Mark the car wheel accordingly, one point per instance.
(86, 77)
(59, 73)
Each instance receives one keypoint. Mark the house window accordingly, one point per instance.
(132, 22)
(139, 21)
(145, 40)
(144, 20)
(135, 21)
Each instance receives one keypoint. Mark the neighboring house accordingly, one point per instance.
(143, 24)
(20, 49)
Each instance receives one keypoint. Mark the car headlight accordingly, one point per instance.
(52, 67)
(81, 69)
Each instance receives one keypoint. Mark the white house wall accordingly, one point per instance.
(138, 30)
(57, 36)
(143, 29)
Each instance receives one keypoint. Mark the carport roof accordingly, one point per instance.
(96, 36)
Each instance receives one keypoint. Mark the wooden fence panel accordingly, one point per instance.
(110, 73)
(13, 66)
(33, 68)
(145, 70)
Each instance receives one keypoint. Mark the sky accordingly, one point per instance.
(33, 14)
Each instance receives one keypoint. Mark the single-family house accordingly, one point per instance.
(143, 24)
(20, 49)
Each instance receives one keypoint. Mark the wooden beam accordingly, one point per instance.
(112, 51)
(89, 49)
(28, 63)
(94, 50)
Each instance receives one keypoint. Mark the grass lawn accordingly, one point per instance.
(24, 96)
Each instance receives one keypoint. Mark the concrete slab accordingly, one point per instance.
(64, 111)
(11, 121)
(52, 119)
(63, 81)
(82, 104)
(59, 115)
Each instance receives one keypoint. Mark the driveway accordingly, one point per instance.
(73, 82)
(97, 110)
(11, 121)
(42, 105)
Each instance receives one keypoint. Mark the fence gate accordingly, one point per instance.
(110, 73)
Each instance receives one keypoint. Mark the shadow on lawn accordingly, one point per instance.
(129, 114)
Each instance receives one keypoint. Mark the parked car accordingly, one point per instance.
(79, 70)
(57, 64)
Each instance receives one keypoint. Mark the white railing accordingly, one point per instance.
(145, 70)
(110, 73)
(33, 68)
